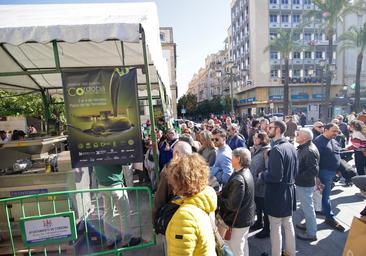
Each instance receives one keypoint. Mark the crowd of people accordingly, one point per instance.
(6, 136)
(248, 175)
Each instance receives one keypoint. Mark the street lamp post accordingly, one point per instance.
(323, 107)
(232, 74)
(232, 68)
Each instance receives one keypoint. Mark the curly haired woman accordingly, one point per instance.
(190, 230)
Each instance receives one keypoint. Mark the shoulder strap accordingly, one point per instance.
(237, 211)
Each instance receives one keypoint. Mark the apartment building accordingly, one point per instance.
(254, 23)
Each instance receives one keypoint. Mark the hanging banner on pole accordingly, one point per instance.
(103, 117)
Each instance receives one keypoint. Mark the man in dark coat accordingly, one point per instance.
(279, 198)
(309, 157)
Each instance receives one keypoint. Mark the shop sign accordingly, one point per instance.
(48, 229)
(103, 118)
(317, 96)
(275, 97)
(303, 80)
(248, 100)
(300, 97)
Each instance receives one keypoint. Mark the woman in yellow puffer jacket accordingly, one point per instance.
(190, 231)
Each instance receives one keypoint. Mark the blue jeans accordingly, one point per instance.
(305, 196)
(326, 178)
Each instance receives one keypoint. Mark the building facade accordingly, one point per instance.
(212, 80)
(170, 55)
(254, 23)
(346, 64)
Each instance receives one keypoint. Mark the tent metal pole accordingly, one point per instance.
(21, 86)
(46, 105)
(123, 53)
(56, 56)
(151, 109)
(43, 71)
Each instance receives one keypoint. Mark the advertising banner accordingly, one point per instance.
(103, 116)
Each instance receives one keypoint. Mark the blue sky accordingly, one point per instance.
(199, 28)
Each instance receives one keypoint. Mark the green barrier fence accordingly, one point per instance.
(70, 223)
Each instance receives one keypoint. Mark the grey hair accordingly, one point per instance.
(182, 148)
(308, 132)
(235, 127)
(244, 155)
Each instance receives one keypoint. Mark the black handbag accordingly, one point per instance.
(164, 215)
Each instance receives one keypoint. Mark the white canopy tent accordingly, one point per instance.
(38, 42)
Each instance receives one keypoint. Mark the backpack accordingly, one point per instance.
(163, 217)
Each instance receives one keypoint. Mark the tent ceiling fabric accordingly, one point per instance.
(88, 35)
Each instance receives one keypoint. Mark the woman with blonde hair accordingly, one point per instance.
(207, 150)
(190, 232)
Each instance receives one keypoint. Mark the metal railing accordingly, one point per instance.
(89, 221)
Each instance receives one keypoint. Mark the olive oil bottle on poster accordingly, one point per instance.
(103, 116)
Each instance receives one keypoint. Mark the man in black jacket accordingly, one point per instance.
(309, 157)
(279, 198)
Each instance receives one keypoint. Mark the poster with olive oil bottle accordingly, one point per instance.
(103, 116)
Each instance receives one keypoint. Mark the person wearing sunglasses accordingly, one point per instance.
(222, 169)
(318, 129)
(279, 197)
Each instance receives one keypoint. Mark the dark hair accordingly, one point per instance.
(221, 132)
(358, 126)
(330, 125)
(280, 124)
(255, 123)
(263, 136)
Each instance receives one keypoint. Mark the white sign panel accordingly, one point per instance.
(50, 228)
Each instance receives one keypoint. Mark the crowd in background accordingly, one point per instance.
(248, 174)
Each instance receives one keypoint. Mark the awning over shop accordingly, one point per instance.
(40, 41)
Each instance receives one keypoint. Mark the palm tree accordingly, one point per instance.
(285, 43)
(355, 38)
(327, 13)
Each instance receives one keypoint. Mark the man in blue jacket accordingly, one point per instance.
(222, 169)
(235, 139)
(330, 160)
(279, 198)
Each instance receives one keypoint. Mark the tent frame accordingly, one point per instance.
(58, 69)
